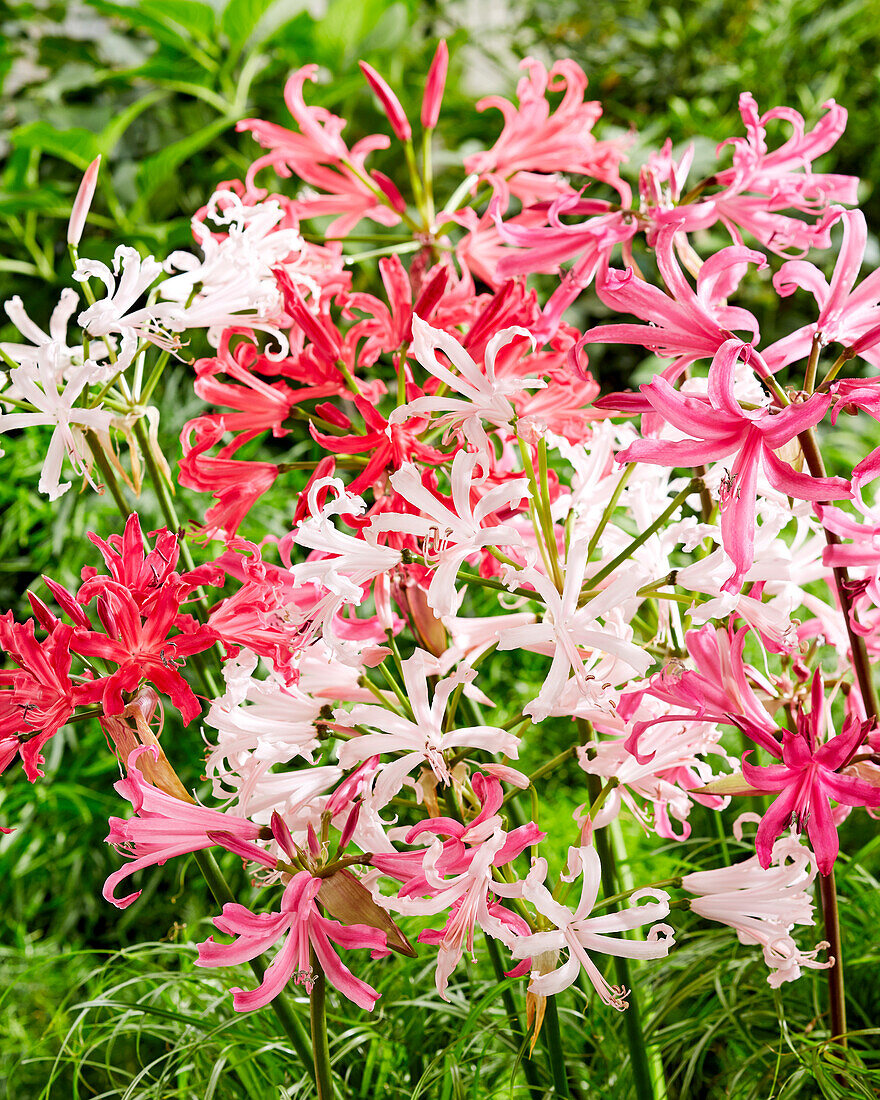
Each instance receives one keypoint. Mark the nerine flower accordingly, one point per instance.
(40, 384)
(579, 644)
(164, 826)
(763, 904)
(303, 927)
(808, 778)
(457, 532)
(579, 933)
(717, 426)
(484, 397)
(421, 739)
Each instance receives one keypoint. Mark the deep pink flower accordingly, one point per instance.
(303, 927)
(717, 427)
(684, 323)
(808, 778)
(434, 86)
(390, 103)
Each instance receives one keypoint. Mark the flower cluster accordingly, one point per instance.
(471, 507)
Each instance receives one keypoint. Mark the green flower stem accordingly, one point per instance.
(543, 770)
(108, 473)
(609, 508)
(498, 586)
(693, 485)
(553, 1041)
(288, 1019)
(519, 1033)
(632, 1017)
(812, 364)
(542, 521)
(836, 992)
(320, 1044)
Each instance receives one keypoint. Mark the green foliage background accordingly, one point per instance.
(97, 1002)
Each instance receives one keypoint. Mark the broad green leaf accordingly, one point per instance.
(164, 21)
(77, 146)
(239, 19)
(344, 26)
(195, 19)
(154, 170)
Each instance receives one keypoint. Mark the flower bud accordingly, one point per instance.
(390, 103)
(82, 202)
(435, 85)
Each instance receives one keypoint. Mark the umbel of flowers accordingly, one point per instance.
(473, 499)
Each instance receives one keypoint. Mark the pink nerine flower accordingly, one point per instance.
(580, 933)
(763, 904)
(847, 315)
(684, 323)
(165, 826)
(535, 139)
(808, 778)
(304, 928)
(718, 426)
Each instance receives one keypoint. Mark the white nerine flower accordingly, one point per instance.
(422, 739)
(763, 905)
(235, 284)
(40, 384)
(115, 312)
(483, 396)
(573, 636)
(452, 535)
(348, 563)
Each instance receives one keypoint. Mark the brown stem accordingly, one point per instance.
(858, 649)
(836, 998)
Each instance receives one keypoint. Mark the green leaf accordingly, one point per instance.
(239, 19)
(193, 18)
(77, 146)
(177, 23)
(154, 170)
(344, 26)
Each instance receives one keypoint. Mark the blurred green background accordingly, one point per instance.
(156, 86)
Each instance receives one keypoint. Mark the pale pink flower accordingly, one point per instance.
(536, 139)
(578, 642)
(484, 397)
(421, 739)
(457, 533)
(82, 203)
(579, 933)
(763, 904)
